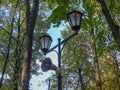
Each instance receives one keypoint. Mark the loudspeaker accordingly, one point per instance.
(48, 65)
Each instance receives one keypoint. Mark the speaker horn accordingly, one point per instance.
(48, 65)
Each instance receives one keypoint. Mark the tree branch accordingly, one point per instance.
(114, 28)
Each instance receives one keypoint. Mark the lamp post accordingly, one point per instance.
(74, 18)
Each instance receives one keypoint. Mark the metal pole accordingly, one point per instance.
(59, 65)
(59, 76)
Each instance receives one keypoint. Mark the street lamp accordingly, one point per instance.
(45, 42)
(74, 19)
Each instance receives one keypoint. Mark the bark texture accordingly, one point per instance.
(30, 24)
(96, 63)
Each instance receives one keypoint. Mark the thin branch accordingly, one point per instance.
(114, 28)
(7, 55)
(8, 33)
(4, 30)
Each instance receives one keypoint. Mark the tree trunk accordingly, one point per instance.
(81, 81)
(7, 54)
(8, 48)
(114, 28)
(79, 70)
(16, 75)
(96, 64)
(30, 24)
(17, 67)
(17, 70)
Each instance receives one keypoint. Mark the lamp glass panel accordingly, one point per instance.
(47, 43)
(42, 41)
(78, 17)
(72, 18)
(70, 22)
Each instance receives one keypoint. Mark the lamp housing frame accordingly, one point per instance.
(74, 18)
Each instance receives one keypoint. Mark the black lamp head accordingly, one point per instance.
(45, 42)
(74, 18)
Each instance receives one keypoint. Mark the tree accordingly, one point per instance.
(93, 15)
(15, 39)
(7, 27)
(15, 59)
(96, 64)
(31, 15)
(113, 26)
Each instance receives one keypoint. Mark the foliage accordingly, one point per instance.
(76, 53)
(93, 18)
(110, 71)
(77, 58)
(12, 25)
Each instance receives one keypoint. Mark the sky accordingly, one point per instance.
(54, 32)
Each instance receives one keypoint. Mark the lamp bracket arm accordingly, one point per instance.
(67, 39)
(63, 41)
